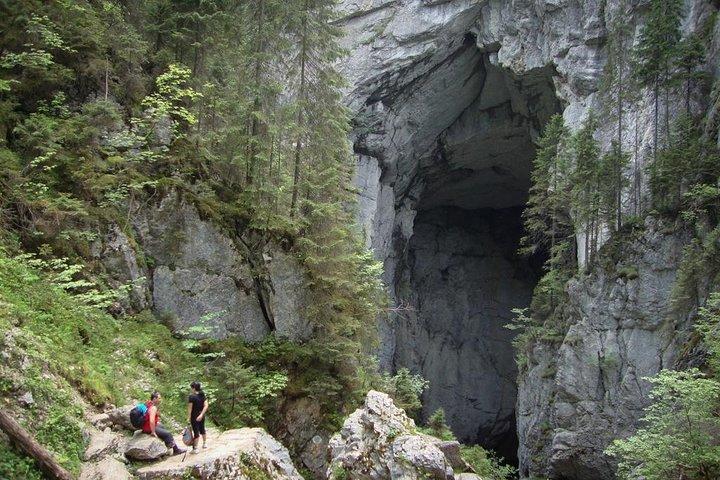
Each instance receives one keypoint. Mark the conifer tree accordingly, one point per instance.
(655, 53)
(546, 217)
(586, 184)
(618, 86)
(690, 55)
(612, 166)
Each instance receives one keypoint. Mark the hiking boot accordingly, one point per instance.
(177, 450)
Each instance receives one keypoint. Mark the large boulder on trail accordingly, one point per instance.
(243, 454)
(144, 447)
(379, 442)
(119, 417)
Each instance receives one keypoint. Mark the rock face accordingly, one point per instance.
(246, 453)
(576, 398)
(196, 275)
(449, 97)
(463, 277)
(378, 441)
(107, 469)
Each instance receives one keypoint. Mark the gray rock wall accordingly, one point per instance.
(463, 277)
(588, 389)
(448, 98)
(193, 274)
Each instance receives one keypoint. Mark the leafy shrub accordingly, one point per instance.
(679, 439)
(485, 464)
(437, 427)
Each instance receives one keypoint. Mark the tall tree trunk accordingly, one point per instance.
(656, 95)
(300, 120)
(25, 442)
(619, 140)
(254, 130)
(688, 89)
(636, 176)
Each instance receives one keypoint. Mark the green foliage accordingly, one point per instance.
(655, 53)
(16, 466)
(485, 465)
(437, 426)
(73, 346)
(680, 436)
(243, 394)
(688, 162)
(708, 326)
(547, 217)
(405, 389)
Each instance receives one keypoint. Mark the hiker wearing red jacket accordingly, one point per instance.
(152, 426)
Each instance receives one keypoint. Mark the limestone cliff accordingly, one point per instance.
(193, 273)
(448, 99)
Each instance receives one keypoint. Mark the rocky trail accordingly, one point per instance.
(378, 441)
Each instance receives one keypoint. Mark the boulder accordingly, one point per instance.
(379, 441)
(120, 416)
(235, 454)
(106, 469)
(100, 444)
(144, 447)
(467, 476)
(101, 420)
(417, 456)
(451, 450)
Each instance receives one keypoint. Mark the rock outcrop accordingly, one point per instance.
(449, 98)
(107, 469)
(379, 441)
(145, 447)
(580, 394)
(244, 454)
(195, 274)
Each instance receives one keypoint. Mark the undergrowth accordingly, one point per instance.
(68, 355)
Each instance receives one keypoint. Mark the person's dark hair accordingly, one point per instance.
(196, 386)
(154, 395)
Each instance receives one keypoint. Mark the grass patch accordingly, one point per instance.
(64, 352)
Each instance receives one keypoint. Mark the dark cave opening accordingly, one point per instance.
(466, 277)
(452, 151)
(460, 268)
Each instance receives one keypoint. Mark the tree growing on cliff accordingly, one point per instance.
(586, 194)
(612, 185)
(619, 88)
(655, 54)
(547, 216)
(681, 429)
(690, 56)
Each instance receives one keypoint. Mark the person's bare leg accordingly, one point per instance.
(204, 440)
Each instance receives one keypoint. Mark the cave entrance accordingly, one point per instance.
(457, 267)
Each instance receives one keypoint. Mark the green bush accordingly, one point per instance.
(680, 437)
(486, 465)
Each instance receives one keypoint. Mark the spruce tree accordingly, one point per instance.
(586, 184)
(618, 85)
(655, 53)
(690, 56)
(546, 217)
(612, 183)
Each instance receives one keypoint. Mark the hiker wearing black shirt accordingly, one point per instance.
(197, 407)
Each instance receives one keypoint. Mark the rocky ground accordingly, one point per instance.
(378, 441)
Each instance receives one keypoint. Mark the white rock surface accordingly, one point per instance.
(107, 469)
(378, 441)
(101, 444)
(234, 454)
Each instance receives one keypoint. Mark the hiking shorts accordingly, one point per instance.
(198, 428)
